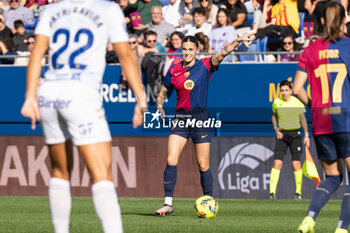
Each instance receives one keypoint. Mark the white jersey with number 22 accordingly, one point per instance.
(79, 31)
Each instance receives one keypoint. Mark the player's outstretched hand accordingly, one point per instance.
(137, 119)
(30, 109)
(250, 36)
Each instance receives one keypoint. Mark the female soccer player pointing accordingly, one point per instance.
(190, 78)
(326, 64)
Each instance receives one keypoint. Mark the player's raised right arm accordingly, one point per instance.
(229, 47)
(30, 107)
(129, 64)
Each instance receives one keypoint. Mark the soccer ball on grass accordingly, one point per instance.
(206, 207)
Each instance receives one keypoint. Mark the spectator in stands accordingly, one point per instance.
(175, 43)
(38, 10)
(267, 6)
(203, 45)
(20, 37)
(211, 10)
(30, 4)
(174, 47)
(284, 20)
(23, 58)
(30, 43)
(171, 12)
(4, 6)
(260, 14)
(289, 45)
(111, 55)
(7, 48)
(185, 9)
(199, 23)
(133, 42)
(250, 5)
(316, 9)
(151, 44)
(126, 11)
(16, 12)
(5, 32)
(160, 26)
(144, 7)
(152, 64)
(238, 15)
(223, 33)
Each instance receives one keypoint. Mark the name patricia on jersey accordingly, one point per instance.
(77, 10)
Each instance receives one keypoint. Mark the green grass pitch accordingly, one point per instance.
(31, 214)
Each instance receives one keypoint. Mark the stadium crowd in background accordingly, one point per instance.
(221, 21)
(268, 17)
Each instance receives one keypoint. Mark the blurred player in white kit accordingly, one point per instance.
(68, 103)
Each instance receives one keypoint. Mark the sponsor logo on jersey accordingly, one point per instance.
(56, 104)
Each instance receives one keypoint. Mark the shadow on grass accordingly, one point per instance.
(141, 214)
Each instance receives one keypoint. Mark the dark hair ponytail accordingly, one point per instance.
(334, 15)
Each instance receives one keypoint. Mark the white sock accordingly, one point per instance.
(168, 201)
(60, 204)
(107, 206)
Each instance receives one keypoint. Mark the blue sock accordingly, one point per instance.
(322, 194)
(207, 182)
(344, 219)
(170, 176)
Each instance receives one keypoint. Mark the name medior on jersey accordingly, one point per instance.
(327, 65)
(77, 31)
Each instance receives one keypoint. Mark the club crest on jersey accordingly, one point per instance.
(187, 74)
(189, 84)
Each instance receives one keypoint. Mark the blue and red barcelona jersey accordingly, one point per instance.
(327, 65)
(191, 83)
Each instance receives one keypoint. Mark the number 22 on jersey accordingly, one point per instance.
(74, 54)
(322, 73)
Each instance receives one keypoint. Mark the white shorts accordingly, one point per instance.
(72, 110)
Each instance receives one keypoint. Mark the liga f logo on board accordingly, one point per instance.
(250, 155)
(153, 120)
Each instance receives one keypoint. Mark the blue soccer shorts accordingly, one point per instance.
(332, 147)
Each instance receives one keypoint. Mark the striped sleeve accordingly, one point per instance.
(303, 61)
